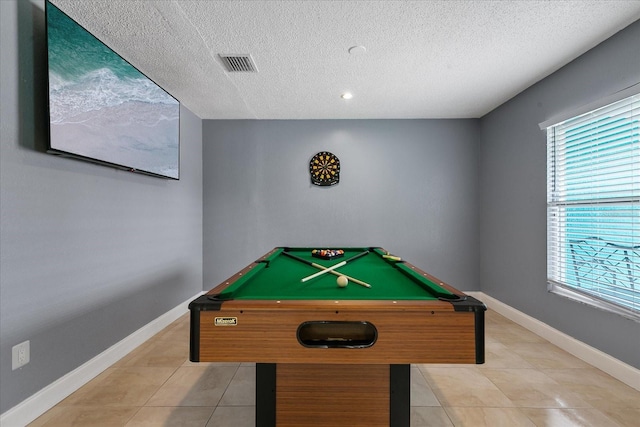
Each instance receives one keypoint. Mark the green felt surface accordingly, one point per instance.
(280, 279)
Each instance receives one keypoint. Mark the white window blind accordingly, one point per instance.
(593, 206)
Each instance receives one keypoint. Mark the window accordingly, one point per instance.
(593, 207)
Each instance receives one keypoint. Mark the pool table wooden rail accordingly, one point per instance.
(270, 336)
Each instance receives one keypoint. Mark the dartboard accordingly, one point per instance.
(325, 169)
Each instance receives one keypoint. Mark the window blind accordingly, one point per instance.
(593, 205)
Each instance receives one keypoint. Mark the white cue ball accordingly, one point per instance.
(342, 281)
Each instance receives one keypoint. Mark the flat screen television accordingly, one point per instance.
(102, 109)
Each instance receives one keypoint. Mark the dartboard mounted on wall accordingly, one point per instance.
(325, 169)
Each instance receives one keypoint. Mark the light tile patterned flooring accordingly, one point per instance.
(526, 381)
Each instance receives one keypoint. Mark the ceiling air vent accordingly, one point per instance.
(239, 63)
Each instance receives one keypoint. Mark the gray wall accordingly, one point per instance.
(88, 254)
(409, 186)
(513, 195)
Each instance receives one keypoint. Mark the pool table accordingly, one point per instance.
(325, 354)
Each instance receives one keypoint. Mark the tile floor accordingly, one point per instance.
(526, 381)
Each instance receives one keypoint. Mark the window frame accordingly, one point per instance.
(558, 258)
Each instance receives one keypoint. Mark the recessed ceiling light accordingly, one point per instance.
(346, 95)
(357, 50)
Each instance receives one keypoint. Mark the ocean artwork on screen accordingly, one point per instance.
(102, 108)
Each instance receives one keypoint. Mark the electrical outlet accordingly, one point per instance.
(20, 355)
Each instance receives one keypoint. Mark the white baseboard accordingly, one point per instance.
(39, 403)
(598, 359)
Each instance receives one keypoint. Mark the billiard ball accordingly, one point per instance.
(342, 281)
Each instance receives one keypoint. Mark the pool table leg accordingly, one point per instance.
(265, 394)
(399, 395)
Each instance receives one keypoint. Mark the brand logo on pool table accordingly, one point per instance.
(225, 321)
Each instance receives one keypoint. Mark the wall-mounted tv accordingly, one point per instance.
(102, 109)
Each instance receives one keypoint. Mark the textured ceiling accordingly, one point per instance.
(423, 59)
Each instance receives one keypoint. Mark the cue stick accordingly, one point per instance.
(327, 270)
(335, 273)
